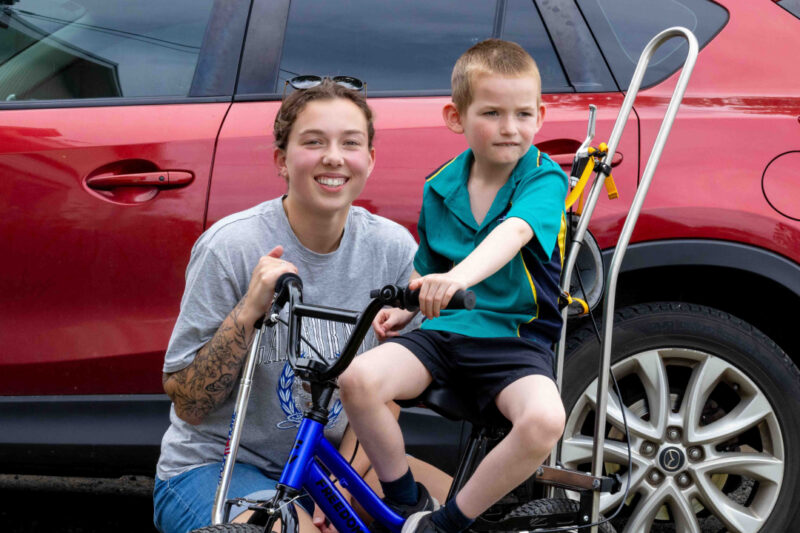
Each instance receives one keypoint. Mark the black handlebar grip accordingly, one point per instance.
(460, 300)
(281, 290)
(287, 277)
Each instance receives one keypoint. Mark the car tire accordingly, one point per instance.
(713, 410)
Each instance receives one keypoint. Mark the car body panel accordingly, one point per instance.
(91, 286)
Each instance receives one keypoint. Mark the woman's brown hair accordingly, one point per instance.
(328, 90)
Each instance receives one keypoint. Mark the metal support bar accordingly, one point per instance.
(237, 422)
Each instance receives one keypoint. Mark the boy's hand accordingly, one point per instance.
(435, 291)
(262, 283)
(389, 322)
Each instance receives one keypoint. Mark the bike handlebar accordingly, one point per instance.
(289, 288)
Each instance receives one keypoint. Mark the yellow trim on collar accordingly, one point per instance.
(441, 169)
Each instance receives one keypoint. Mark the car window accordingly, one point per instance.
(65, 49)
(407, 46)
(624, 27)
(792, 6)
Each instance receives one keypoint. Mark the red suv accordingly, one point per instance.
(126, 129)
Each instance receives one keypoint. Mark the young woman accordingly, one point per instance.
(323, 149)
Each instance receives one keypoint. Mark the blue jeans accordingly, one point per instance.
(184, 502)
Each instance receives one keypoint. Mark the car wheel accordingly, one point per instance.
(713, 412)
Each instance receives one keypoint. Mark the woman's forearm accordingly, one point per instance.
(207, 382)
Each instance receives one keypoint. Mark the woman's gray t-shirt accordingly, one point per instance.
(373, 252)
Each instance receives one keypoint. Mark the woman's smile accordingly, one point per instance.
(332, 182)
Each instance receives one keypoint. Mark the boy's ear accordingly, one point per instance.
(452, 118)
(540, 116)
(279, 157)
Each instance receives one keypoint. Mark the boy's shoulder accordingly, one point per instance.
(450, 174)
(536, 165)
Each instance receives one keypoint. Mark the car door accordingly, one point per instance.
(109, 116)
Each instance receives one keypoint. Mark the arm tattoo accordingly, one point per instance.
(202, 386)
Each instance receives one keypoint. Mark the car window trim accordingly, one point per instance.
(553, 47)
(256, 97)
(112, 102)
(221, 50)
(567, 69)
(263, 47)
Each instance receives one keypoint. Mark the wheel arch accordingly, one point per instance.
(754, 284)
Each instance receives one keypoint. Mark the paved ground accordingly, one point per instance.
(38, 504)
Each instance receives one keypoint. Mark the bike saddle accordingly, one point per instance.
(456, 405)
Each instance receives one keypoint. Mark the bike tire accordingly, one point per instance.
(547, 506)
(231, 528)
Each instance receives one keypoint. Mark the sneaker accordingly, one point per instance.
(420, 523)
(425, 502)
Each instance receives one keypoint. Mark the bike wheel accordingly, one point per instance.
(713, 410)
(287, 517)
(537, 509)
(231, 528)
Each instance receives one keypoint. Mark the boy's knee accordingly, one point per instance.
(356, 383)
(542, 428)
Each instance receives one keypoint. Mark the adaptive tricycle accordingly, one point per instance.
(555, 498)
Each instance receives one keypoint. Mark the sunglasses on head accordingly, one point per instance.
(304, 82)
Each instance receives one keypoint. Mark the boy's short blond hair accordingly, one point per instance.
(492, 56)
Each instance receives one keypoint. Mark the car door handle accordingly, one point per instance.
(164, 179)
(565, 160)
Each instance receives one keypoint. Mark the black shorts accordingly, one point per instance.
(478, 367)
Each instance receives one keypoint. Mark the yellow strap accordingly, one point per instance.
(577, 191)
(570, 300)
(584, 305)
(611, 188)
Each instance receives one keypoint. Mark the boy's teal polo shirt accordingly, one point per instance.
(521, 299)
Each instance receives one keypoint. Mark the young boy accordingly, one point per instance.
(492, 220)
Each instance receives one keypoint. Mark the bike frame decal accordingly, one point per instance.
(227, 451)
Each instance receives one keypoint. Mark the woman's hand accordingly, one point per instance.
(321, 522)
(262, 283)
(435, 291)
(389, 322)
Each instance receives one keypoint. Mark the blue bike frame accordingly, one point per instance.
(303, 470)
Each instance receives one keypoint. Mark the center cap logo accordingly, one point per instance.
(671, 459)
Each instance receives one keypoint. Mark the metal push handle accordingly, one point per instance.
(630, 220)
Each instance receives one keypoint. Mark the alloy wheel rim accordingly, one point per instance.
(699, 411)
